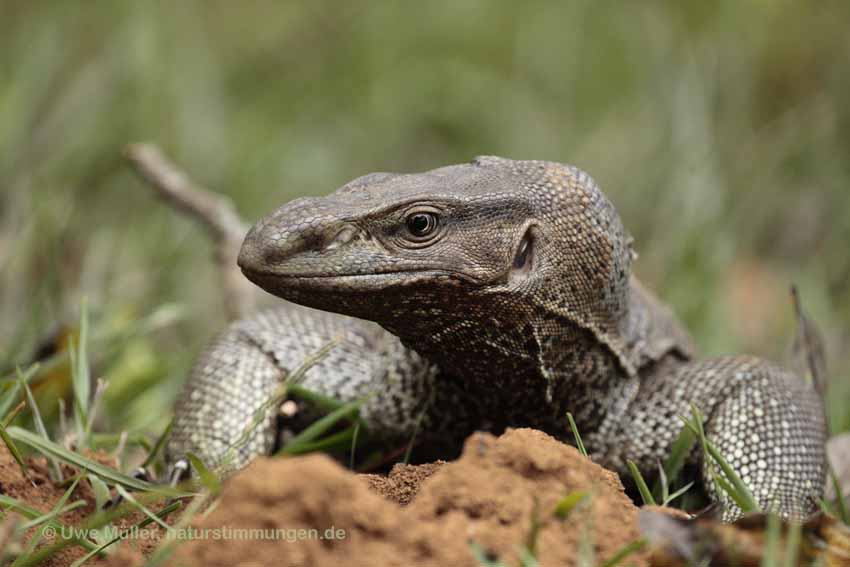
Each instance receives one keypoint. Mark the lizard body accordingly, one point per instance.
(503, 296)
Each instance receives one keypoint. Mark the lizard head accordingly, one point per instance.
(493, 245)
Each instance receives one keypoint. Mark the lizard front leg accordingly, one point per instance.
(768, 423)
(234, 379)
(771, 428)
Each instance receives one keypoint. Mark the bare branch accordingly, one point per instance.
(214, 211)
(808, 353)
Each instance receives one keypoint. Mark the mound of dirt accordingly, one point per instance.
(502, 491)
(312, 511)
(402, 484)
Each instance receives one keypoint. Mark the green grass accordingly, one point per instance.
(726, 478)
(99, 476)
(165, 511)
(838, 508)
(55, 471)
(570, 502)
(645, 493)
(576, 435)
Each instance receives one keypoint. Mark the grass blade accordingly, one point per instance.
(13, 449)
(481, 556)
(298, 376)
(53, 514)
(623, 553)
(276, 398)
(160, 443)
(662, 481)
(526, 558)
(319, 427)
(129, 498)
(727, 487)
(51, 449)
(677, 494)
(208, 479)
(645, 493)
(27, 511)
(579, 444)
(101, 491)
(792, 545)
(161, 514)
(55, 470)
(412, 442)
(332, 443)
(99, 390)
(825, 507)
(534, 530)
(318, 401)
(354, 444)
(36, 538)
(586, 546)
(81, 375)
(770, 555)
(840, 504)
(93, 523)
(10, 417)
(163, 552)
(569, 503)
(678, 456)
(8, 399)
(740, 491)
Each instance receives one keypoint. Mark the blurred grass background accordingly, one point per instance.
(720, 130)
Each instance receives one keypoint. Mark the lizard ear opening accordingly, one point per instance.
(524, 256)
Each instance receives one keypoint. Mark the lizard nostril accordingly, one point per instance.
(271, 245)
(342, 238)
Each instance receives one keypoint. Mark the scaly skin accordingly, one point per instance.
(503, 297)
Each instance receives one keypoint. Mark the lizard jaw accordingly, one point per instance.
(279, 284)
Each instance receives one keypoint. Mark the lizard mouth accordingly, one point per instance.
(275, 281)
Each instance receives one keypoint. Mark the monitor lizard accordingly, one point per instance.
(487, 295)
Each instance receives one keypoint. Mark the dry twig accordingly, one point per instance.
(214, 211)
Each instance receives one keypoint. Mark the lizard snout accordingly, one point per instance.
(290, 243)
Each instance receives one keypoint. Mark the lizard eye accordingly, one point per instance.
(421, 224)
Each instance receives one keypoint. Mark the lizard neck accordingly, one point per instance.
(530, 366)
(533, 362)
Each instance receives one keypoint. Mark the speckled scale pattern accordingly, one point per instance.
(243, 367)
(766, 422)
(472, 334)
